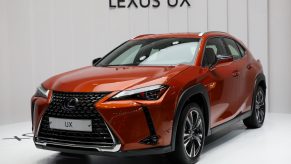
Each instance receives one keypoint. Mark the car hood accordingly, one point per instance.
(103, 79)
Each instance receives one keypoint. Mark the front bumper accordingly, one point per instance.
(79, 149)
(97, 148)
(131, 122)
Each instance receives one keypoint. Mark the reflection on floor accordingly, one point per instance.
(268, 145)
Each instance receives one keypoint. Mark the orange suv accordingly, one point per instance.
(154, 94)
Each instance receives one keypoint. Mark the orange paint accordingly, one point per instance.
(125, 117)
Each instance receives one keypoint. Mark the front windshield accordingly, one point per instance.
(153, 52)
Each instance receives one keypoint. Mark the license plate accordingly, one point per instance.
(70, 124)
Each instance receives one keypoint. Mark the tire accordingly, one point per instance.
(71, 154)
(67, 154)
(256, 120)
(194, 135)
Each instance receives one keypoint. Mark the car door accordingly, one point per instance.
(241, 63)
(221, 82)
(247, 78)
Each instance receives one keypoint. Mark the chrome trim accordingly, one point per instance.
(111, 134)
(115, 148)
(201, 34)
(75, 142)
(40, 143)
(39, 124)
(43, 91)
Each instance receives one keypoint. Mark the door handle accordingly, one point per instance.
(235, 73)
(249, 66)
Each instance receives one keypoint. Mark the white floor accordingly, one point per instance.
(268, 145)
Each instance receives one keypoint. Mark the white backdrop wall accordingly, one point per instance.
(40, 38)
(280, 55)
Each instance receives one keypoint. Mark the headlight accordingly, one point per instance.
(41, 92)
(147, 93)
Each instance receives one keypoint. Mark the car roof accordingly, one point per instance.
(181, 35)
(189, 35)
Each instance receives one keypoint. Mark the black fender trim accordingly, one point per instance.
(152, 139)
(191, 91)
(260, 78)
(229, 123)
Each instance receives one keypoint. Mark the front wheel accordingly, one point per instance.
(259, 110)
(190, 135)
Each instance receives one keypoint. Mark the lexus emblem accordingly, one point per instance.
(70, 103)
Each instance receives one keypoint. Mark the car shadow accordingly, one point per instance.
(61, 158)
(211, 142)
(223, 136)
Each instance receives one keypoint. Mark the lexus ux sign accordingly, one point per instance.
(146, 3)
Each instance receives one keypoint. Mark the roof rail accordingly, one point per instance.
(216, 32)
(139, 36)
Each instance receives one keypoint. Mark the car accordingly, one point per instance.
(154, 94)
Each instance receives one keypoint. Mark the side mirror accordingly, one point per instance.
(96, 61)
(224, 58)
(212, 59)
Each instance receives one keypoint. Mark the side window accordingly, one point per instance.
(241, 49)
(233, 48)
(214, 46)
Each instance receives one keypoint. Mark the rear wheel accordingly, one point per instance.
(190, 135)
(259, 110)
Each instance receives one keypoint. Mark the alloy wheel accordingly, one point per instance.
(260, 106)
(193, 133)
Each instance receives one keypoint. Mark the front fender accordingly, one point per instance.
(197, 89)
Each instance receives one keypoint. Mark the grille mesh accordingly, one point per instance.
(84, 109)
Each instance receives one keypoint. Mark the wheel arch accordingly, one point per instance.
(261, 81)
(197, 94)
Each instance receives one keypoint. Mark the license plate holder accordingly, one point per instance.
(70, 124)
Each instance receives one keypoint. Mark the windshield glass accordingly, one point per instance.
(153, 52)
